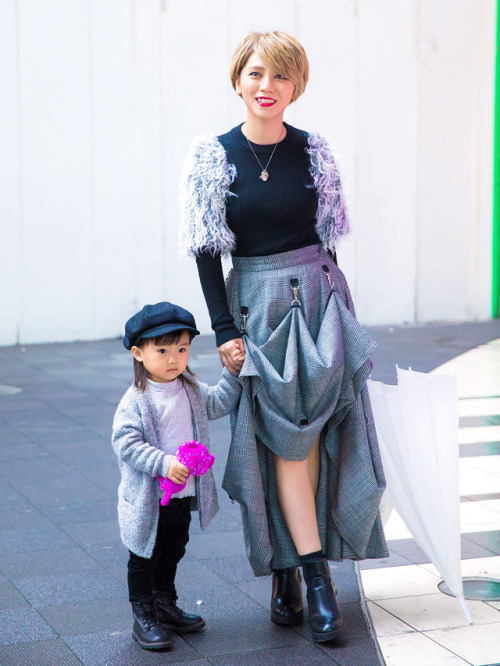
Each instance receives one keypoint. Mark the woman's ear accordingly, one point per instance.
(238, 87)
(137, 353)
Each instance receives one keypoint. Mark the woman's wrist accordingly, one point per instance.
(227, 334)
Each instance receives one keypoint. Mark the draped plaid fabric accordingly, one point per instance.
(304, 375)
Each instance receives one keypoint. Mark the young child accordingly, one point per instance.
(165, 407)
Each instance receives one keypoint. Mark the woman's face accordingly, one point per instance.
(265, 92)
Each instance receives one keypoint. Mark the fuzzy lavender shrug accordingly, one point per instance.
(205, 186)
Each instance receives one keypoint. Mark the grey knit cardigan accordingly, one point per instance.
(205, 186)
(135, 440)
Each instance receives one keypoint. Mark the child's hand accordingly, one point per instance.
(238, 358)
(177, 472)
(231, 353)
(238, 364)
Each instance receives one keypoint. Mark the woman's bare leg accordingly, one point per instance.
(297, 482)
(313, 465)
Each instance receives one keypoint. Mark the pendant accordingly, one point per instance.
(264, 175)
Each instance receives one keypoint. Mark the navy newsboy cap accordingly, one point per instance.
(157, 319)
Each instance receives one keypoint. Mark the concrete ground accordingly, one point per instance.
(62, 566)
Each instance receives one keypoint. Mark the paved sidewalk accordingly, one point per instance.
(415, 623)
(62, 565)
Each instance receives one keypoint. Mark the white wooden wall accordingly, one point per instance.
(100, 100)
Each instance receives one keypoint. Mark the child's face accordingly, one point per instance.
(164, 363)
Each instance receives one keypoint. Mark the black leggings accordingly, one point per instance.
(158, 572)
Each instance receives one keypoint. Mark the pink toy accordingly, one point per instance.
(196, 458)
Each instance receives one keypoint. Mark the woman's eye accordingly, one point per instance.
(254, 74)
(280, 76)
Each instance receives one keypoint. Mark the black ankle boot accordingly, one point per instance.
(286, 599)
(325, 615)
(147, 631)
(172, 617)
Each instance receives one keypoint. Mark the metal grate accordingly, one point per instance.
(477, 588)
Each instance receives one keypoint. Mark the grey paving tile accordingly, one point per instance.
(58, 484)
(105, 476)
(49, 590)
(20, 625)
(88, 456)
(110, 555)
(46, 469)
(242, 629)
(194, 576)
(104, 531)
(307, 654)
(104, 650)
(207, 545)
(90, 617)
(73, 452)
(222, 522)
(394, 560)
(345, 579)
(26, 541)
(480, 449)
(478, 544)
(216, 601)
(38, 653)
(46, 563)
(25, 518)
(12, 437)
(120, 573)
(88, 415)
(410, 550)
(349, 652)
(473, 421)
(42, 415)
(259, 589)
(10, 597)
(73, 434)
(472, 548)
(22, 451)
(11, 499)
(73, 513)
(235, 569)
(488, 540)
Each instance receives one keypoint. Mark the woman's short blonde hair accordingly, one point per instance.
(282, 52)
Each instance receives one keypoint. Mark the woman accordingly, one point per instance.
(304, 462)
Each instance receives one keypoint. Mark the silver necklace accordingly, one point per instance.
(264, 174)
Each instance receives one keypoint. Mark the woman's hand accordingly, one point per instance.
(232, 355)
(177, 472)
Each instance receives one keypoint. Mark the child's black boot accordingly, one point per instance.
(147, 631)
(172, 617)
(286, 599)
(325, 615)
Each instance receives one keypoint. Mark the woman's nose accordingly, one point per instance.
(267, 83)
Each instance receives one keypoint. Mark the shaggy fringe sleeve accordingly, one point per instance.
(332, 217)
(206, 178)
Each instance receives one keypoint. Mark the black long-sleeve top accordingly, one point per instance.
(278, 215)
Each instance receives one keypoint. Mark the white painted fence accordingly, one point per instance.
(100, 100)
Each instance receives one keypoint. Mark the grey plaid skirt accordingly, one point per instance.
(307, 360)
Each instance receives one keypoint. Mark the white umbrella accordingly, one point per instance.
(417, 427)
